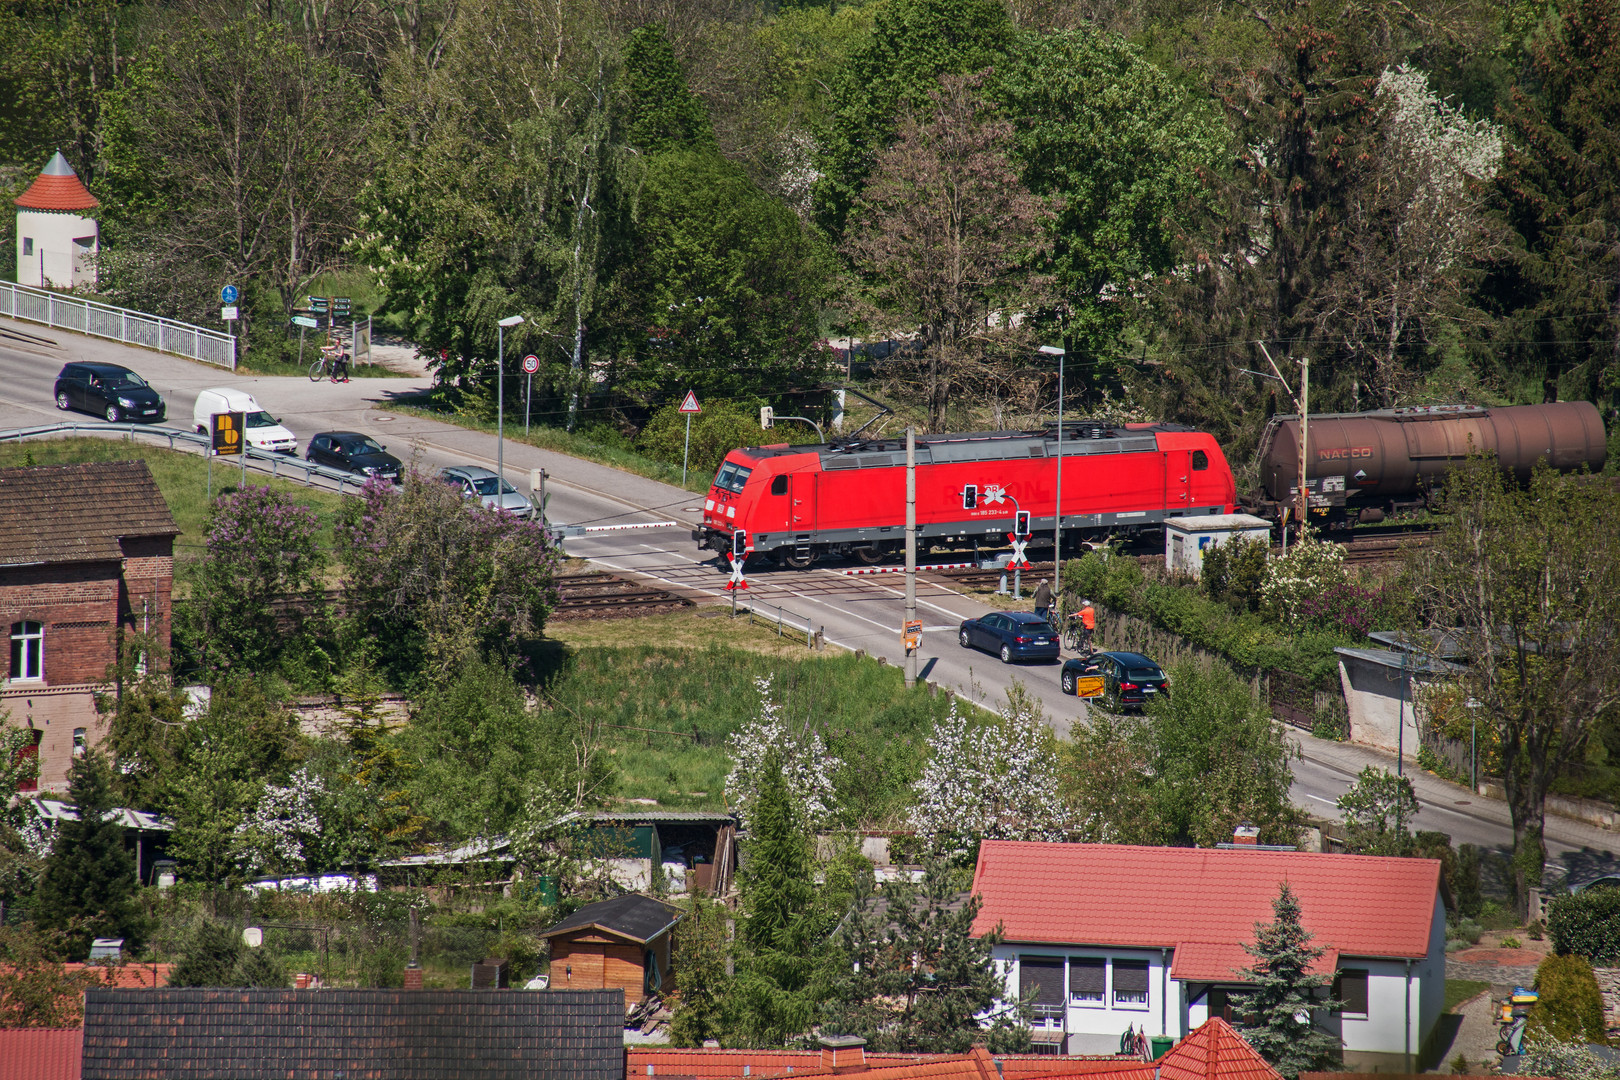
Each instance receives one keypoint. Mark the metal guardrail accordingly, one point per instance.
(281, 466)
(118, 324)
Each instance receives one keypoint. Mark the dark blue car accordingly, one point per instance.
(1011, 635)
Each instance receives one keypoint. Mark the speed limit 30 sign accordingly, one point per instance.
(531, 364)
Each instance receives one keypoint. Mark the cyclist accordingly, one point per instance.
(1088, 624)
(340, 367)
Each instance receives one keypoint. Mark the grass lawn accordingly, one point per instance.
(549, 438)
(665, 709)
(1460, 990)
(182, 477)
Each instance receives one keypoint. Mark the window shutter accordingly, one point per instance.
(1352, 990)
(1088, 976)
(1044, 976)
(1130, 977)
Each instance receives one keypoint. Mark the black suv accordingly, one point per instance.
(355, 452)
(109, 390)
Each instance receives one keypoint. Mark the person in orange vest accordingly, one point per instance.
(1088, 624)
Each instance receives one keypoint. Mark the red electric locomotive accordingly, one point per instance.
(800, 503)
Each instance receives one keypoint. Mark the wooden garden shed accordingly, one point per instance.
(623, 942)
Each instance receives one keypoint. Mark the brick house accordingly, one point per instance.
(86, 555)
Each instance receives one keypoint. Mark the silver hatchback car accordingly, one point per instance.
(482, 484)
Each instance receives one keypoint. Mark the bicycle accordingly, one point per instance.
(317, 369)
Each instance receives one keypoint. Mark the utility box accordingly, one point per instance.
(1186, 539)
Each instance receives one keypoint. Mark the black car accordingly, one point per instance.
(109, 390)
(1012, 635)
(1129, 679)
(355, 452)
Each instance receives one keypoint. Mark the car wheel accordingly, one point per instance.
(113, 415)
(62, 401)
(1006, 654)
(1068, 682)
(963, 638)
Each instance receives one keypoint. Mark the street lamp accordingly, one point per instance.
(500, 400)
(1057, 515)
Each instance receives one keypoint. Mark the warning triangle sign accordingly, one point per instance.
(690, 404)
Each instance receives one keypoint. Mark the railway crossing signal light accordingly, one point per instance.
(767, 417)
(1021, 523)
(739, 544)
(970, 497)
(739, 555)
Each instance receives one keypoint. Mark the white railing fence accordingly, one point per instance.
(118, 324)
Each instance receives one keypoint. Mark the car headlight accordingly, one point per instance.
(369, 470)
(128, 403)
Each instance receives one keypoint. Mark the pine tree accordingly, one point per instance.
(88, 889)
(772, 1002)
(217, 956)
(912, 977)
(1285, 992)
(701, 982)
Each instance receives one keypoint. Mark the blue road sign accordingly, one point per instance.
(228, 294)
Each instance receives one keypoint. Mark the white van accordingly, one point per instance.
(263, 431)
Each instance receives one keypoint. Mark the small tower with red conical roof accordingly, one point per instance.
(56, 242)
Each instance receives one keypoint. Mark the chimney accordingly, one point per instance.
(843, 1053)
(1245, 834)
(413, 976)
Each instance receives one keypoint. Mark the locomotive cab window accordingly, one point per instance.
(1200, 461)
(779, 485)
(732, 477)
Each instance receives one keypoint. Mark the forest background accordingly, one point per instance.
(705, 194)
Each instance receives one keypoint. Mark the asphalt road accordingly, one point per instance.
(856, 612)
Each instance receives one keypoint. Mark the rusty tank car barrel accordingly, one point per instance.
(1397, 452)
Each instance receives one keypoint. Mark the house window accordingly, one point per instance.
(27, 652)
(1350, 989)
(1040, 980)
(1220, 1003)
(1130, 982)
(1088, 980)
(79, 745)
(28, 246)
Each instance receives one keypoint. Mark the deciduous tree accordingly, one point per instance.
(1525, 581)
(437, 582)
(1377, 811)
(941, 239)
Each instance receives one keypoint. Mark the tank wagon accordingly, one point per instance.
(1363, 464)
(802, 503)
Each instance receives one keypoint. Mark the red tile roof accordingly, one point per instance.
(1215, 1052)
(127, 976)
(57, 188)
(1215, 961)
(1205, 899)
(979, 1064)
(40, 1053)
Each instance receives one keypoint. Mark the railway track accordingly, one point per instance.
(599, 595)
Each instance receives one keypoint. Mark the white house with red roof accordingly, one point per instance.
(1107, 937)
(56, 241)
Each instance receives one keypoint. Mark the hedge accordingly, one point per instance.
(1587, 924)
(1570, 1008)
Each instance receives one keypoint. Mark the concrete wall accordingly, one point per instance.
(56, 249)
(1372, 694)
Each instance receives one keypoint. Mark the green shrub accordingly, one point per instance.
(1571, 1005)
(1587, 924)
(1466, 882)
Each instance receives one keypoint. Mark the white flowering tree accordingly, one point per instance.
(807, 765)
(1415, 224)
(994, 778)
(1298, 579)
(274, 836)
